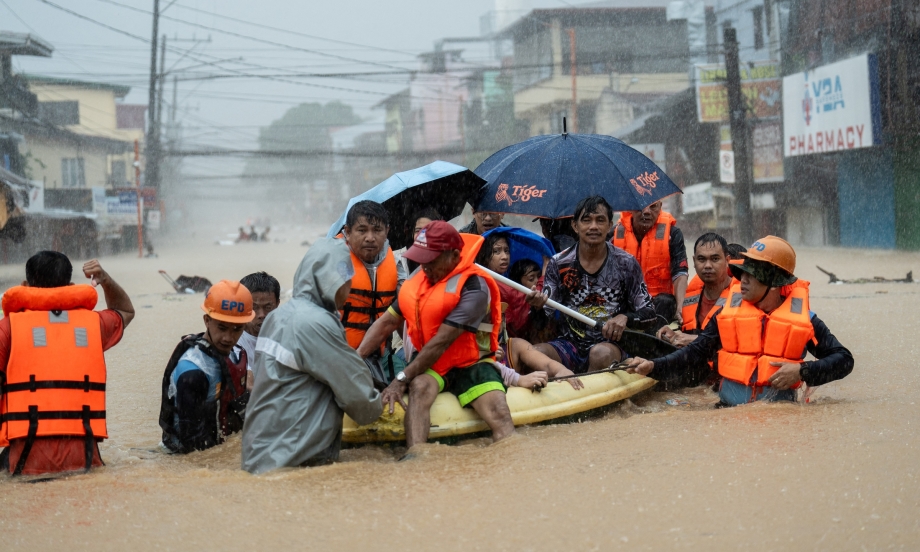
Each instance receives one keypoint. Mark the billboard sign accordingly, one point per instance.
(832, 108)
(760, 85)
(698, 198)
(767, 149)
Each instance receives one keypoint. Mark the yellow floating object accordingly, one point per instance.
(558, 399)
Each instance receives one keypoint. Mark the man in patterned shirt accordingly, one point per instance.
(600, 281)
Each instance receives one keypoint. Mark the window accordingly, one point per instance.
(758, 27)
(119, 174)
(72, 175)
(59, 113)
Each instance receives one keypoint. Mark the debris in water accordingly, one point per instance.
(680, 401)
(875, 280)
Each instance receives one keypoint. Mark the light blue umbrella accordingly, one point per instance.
(444, 186)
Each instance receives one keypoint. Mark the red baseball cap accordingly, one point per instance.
(435, 238)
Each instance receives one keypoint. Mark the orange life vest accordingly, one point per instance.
(56, 375)
(425, 307)
(367, 301)
(692, 303)
(752, 339)
(653, 254)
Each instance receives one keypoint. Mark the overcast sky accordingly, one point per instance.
(347, 36)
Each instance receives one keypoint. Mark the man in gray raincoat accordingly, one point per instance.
(306, 374)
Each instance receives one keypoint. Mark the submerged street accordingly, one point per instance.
(836, 473)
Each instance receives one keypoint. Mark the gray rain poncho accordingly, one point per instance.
(306, 375)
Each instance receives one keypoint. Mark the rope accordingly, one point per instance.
(612, 368)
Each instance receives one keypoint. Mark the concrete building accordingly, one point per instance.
(101, 151)
(626, 54)
(868, 196)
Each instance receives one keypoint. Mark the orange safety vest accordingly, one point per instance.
(425, 307)
(56, 375)
(752, 339)
(367, 301)
(654, 255)
(692, 303)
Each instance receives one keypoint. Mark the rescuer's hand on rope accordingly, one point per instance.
(637, 365)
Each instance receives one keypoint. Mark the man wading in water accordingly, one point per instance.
(761, 334)
(52, 366)
(307, 376)
(204, 386)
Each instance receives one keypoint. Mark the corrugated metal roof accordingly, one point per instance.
(23, 44)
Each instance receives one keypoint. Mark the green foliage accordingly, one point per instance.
(306, 127)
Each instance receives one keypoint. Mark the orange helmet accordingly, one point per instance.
(772, 251)
(229, 302)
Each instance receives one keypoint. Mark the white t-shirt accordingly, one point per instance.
(248, 343)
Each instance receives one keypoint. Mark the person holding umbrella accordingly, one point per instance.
(601, 282)
(482, 222)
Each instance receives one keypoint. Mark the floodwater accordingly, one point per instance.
(839, 473)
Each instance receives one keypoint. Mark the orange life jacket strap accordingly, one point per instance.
(32, 385)
(372, 293)
(33, 416)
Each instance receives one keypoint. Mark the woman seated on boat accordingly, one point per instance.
(519, 354)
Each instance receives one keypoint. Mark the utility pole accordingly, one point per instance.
(152, 148)
(161, 78)
(140, 200)
(571, 31)
(737, 116)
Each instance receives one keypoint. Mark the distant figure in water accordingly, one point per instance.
(307, 376)
(51, 359)
(243, 236)
(761, 335)
(264, 236)
(253, 235)
(204, 386)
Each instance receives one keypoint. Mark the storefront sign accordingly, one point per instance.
(832, 108)
(760, 86)
(698, 198)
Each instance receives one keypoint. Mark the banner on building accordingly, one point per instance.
(835, 107)
(767, 149)
(760, 85)
(698, 198)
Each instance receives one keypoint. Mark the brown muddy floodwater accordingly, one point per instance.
(842, 473)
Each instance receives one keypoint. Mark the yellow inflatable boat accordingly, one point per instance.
(558, 399)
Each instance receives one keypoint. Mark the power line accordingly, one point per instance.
(246, 37)
(295, 33)
(240, 73)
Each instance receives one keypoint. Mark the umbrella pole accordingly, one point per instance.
(549, 302)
